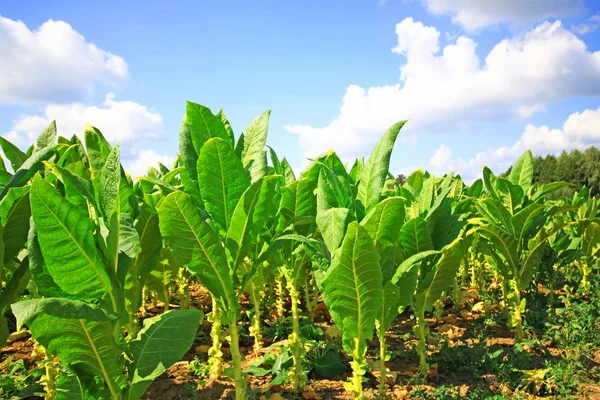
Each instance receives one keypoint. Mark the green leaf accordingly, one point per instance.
(163, 275)
(255, 140)
(28, 169)
(392, 300)
(522, 171)
(227, 125)
(353, 289)
(12, 152)
(204, 125)
(66, 238)
(431, 288)
(97, 147)
(414, 237)
(16, 222)
(384, 223)
(196, 246)
(110, 180)
(47, 137)
(163, 340)
(79, 334)
(591, 240)
(332, 225)
(495, 213)
(375, 172)
(250, 216)
(297, 203)
(78, 190)
(189, 160)
(222, 180)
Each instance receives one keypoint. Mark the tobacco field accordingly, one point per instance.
(225, 275)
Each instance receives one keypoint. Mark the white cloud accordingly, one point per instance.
(579, 131)
(475, 14)
(119, 121)
(590, 25)
(53, 64)
(144, 159)
(442, 91)
(440, 159)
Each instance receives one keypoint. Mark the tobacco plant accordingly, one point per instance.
(212, 226)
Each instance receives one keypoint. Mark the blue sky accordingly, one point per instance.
(325, 68)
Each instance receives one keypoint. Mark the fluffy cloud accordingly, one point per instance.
(451, 88)
(590, 25)
(53, 64)
(138, 166)
(119, 121)
(474, 14)
(579, 131)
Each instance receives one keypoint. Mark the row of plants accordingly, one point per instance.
(84, 246)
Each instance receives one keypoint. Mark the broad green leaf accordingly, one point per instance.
(375, 172)
(227, 125)
(163, 340)
(409, 263)
(163, 275)
(391, 302)
(66, 238)
(222, 180)
(77, 189)
(522, 171)
(591, 240)
(79, 334)
(46, 287)
(430, 289)
(332, 225)
(331, 191)
(385, 221)
(250, 216)
(504, 244)
(414, 237)
(47, 137)
(255, 141)
(110, 180)
(189, 160)
(297, 203)
(353, 289)
(425, 197)
(491, 182)
(16, 222)
(495, 213)
(444, 226)
(288, 172)
(196, 246)
(204, 125)
(97, 147)
(12, 152)
(28, 169)
(15, 286)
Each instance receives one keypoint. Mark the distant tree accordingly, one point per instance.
(401, 180)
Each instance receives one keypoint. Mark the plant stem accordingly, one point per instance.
(516, 318)
(183, 289)
(214, 353)
(238, 379)
(280, 297)
(422, 346)
(295, 340)
(255, 328)
(359, 367)
(585, 280)
(382, 354)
